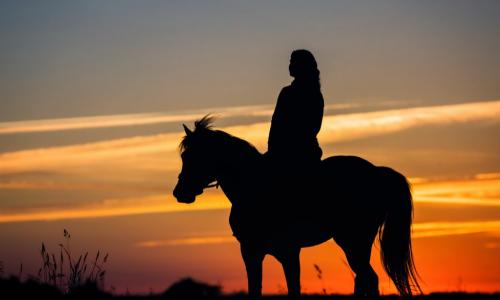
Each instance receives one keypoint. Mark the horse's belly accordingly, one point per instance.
(311, 234)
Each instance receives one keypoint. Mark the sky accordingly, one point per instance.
(93, 95)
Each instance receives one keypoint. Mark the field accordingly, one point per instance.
(13, 288)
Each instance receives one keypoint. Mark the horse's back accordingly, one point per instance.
(346, 162)
(349, 186)
(346, 170)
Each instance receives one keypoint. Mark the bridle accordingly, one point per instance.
(214, 184)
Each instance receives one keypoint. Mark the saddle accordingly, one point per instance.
(291, 182)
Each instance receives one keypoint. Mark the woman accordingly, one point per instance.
(297, 118)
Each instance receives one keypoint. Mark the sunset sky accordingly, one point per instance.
(93, 95)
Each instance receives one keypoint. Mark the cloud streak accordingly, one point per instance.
(161, 203)
(436, 229)
(420, 230)
(93, 122)
(482, 190)
(201, 240)
(360, 125)
(381, 121)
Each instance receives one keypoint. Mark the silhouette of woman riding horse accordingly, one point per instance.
(289, 198)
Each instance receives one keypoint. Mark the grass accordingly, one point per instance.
(66, 272)
(61, 274)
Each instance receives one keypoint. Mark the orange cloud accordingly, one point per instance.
(420, 230)
(434, 229)
(482, 190)
(117, 207)
(202, 240)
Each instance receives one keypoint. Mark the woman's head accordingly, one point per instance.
(303, 67)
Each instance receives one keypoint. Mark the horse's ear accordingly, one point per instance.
(187, 130)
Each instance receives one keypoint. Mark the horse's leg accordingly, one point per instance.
(290, 260)
(357, 247)
(366, 281)
(253, 257)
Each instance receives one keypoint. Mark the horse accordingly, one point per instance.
(351, 201)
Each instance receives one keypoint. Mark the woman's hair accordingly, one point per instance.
(304, 68)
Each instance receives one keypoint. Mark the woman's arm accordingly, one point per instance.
(311, 117)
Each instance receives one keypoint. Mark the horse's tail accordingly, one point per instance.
(395, 238)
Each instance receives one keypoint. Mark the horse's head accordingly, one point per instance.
(197, 162)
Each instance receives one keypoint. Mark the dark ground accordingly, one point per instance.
(12, 288)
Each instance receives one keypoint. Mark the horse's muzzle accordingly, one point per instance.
(186, 199)
(183, 197)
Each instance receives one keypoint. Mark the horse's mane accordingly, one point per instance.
(203, 129)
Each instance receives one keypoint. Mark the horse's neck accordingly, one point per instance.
(235, 172)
